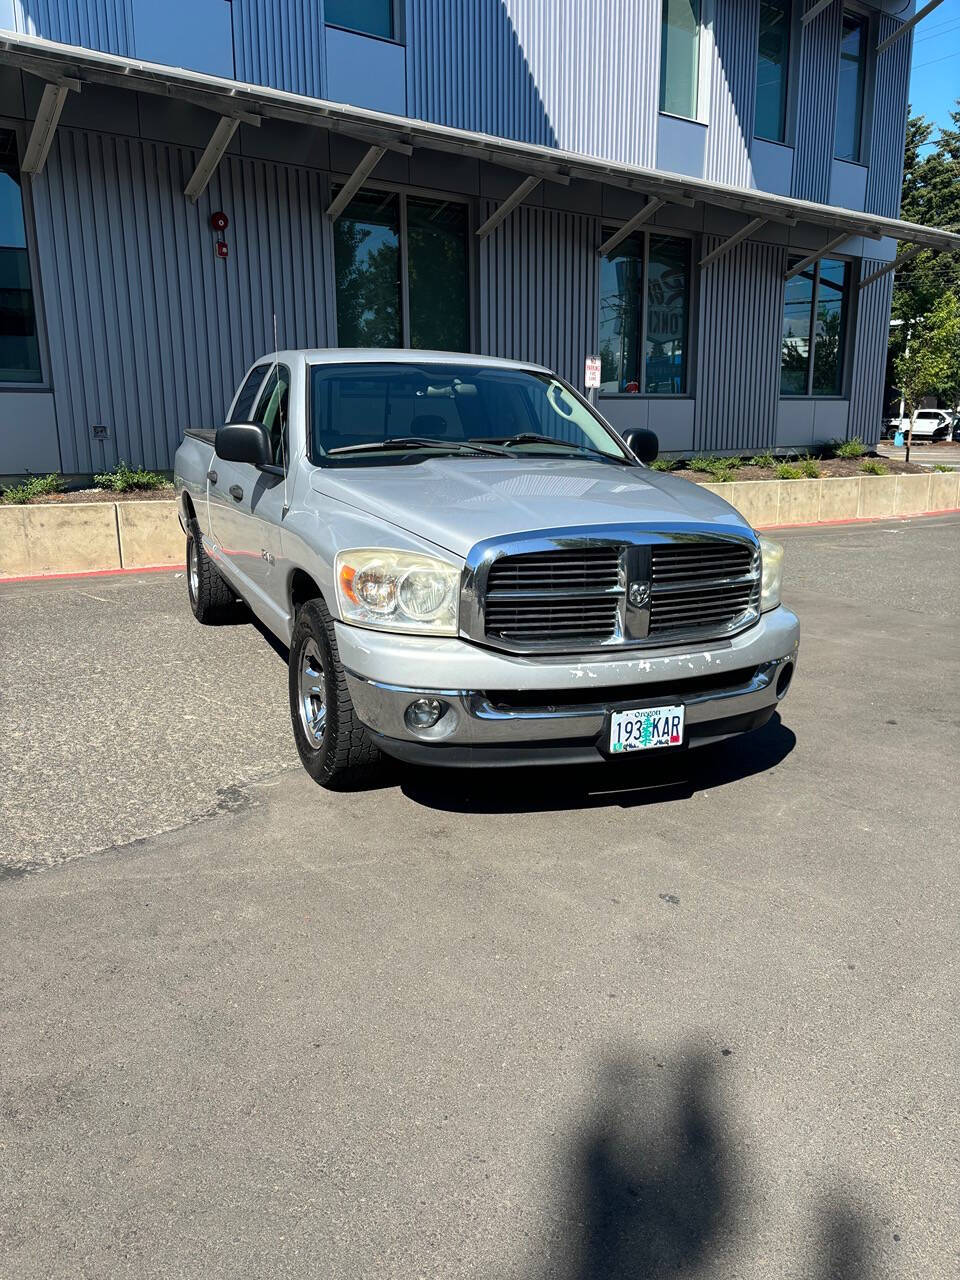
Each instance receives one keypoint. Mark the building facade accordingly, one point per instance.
(127, 314)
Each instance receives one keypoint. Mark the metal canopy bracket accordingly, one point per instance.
(815, 256)
(507, 206)
(908, 25)
(45, 126)
(815, 10)
(892, 266)
(370, 160)
(744, 233)
(638, 219)
(220, 139)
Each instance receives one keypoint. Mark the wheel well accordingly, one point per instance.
(188, 512)
(302, 589)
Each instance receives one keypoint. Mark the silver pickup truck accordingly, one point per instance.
(471, 567)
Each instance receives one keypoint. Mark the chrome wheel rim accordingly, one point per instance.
(313, 709)
(193, 575)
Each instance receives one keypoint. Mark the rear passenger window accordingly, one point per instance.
(243, 407)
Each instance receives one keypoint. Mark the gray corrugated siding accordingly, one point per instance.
(733, 93)
(885, 178)
(817, 103)
(539, 73)
(150, 333)
(870, 355)
(738, 382)
(279, 43)
(538, 285)
(106, 25)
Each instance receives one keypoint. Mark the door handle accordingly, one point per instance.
(212, 477)
(236, 492)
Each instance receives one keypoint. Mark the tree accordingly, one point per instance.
(929, 363)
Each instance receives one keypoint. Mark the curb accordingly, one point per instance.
(178, 568)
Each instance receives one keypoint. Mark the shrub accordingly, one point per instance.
(854, 448)
(124, 479)
(761, 460)
(702, 462)
(787, 471)
(873, 467)
(664, 464)
(35, 487)
(942, 467)
(810, 469)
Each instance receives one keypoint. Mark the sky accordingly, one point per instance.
(935, 75)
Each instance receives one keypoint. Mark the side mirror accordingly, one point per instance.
(642, 444)
(244, 442)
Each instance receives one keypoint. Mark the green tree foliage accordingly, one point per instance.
(931, 196)
(927, 365)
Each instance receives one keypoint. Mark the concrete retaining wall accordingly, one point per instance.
(87, 536)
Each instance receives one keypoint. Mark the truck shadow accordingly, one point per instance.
(653, 1189)
(652, 779)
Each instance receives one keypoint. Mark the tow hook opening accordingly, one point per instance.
(784, 678)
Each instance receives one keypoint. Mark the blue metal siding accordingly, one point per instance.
(885, 178)
(539, 73)
(539, 289)
(870, 355)
(280, 43)
(149, 331)
(106, 25)
(733, 92)
(817, 103)
(738, 349)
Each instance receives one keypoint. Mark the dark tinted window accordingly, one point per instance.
(652, 317)
(850, 84)
(243, 408)
(273, 410)
(372, 17)
(815, 329)
(19, 344)
(773, 56)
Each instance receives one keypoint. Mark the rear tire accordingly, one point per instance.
(334, 746)
(211, 599)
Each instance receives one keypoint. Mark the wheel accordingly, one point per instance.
(335, 748)
(211, 598)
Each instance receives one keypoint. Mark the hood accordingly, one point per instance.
(457, 502)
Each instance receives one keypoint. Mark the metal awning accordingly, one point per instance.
(231, 99)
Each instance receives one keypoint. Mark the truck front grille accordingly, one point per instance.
(555, 595)
(690, 586)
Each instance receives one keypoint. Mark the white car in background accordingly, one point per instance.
(930, 424)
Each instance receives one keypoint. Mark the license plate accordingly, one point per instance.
(646, 728)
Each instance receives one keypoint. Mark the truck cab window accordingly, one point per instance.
(273, 410)
(247, 395)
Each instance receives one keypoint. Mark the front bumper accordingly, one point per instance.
(504, 709)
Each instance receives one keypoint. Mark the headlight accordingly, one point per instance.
(772, 559)
(398, 591)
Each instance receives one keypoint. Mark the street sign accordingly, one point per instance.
(591, 373)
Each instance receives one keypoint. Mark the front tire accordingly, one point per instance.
(334, 746)
(211, 598)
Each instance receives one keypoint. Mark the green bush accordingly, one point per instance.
(942, 467)
(872, 467)
(702, 462)
(810, 469)
(854, 448)
(35, 487)
(761, 460)
(664, 464)
(124, 479)
(787, 471)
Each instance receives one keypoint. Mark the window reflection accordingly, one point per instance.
(659, 330)
(19, 343)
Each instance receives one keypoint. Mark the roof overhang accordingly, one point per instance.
(56, 63)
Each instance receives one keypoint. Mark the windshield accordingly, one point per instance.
(363, 414)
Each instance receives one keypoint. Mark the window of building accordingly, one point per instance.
(19, 341)
(370, 17)
(645, 316)
(814, 330)
(401, 264)
(680, 57)
(773, 65)
(850, 87)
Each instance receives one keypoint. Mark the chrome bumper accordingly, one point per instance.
(474, 718)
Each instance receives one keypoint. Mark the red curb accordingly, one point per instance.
(93, 573)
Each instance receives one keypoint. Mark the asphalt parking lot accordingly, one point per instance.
(695, 1017)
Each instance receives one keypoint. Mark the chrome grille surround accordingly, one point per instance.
(568, 590)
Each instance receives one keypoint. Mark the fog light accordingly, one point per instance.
(786, 675)
(423, 713)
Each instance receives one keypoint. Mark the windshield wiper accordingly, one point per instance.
(533, 437)
(422, 442)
